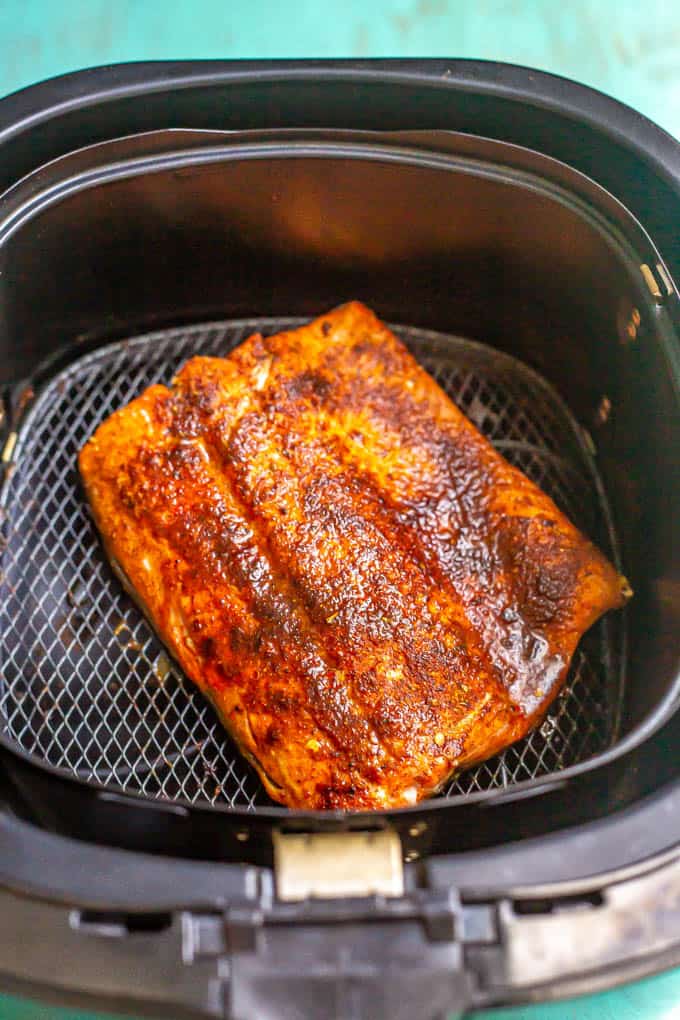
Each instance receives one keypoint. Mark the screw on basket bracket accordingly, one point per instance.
(8, 449)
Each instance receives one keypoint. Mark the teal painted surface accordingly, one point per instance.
(656, 997)
(629, 50)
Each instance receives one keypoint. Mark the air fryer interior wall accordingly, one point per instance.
(462, 246)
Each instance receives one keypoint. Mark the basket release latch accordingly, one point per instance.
(337, 865)
(340, 935)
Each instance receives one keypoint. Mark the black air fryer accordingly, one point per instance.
(523, 236)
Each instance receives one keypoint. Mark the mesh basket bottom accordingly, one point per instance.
(84, 682)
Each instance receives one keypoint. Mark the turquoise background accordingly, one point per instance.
(629, 50)
(655, 997)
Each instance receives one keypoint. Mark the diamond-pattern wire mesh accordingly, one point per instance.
(85, 684)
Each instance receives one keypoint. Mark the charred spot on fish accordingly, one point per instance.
(207, 647)
(239, 641)
(272, 735)
(308, 385)
(334, 795)
(372, 774)
(127, 499)
(281, 701)
(185, 455)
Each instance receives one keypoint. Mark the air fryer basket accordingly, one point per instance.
(522, 234)
(86, 684)
(174, 228)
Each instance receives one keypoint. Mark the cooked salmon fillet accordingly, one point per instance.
(368, 593)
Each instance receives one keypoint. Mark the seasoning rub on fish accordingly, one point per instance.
(369, 594)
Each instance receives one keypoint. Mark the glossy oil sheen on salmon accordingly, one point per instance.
(369, 594)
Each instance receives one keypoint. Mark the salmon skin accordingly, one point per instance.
(371, 597)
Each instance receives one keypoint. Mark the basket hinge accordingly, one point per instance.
(658, 281)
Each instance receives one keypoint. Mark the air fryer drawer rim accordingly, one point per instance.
(237, 152)
(645, 830)
(98, 90)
